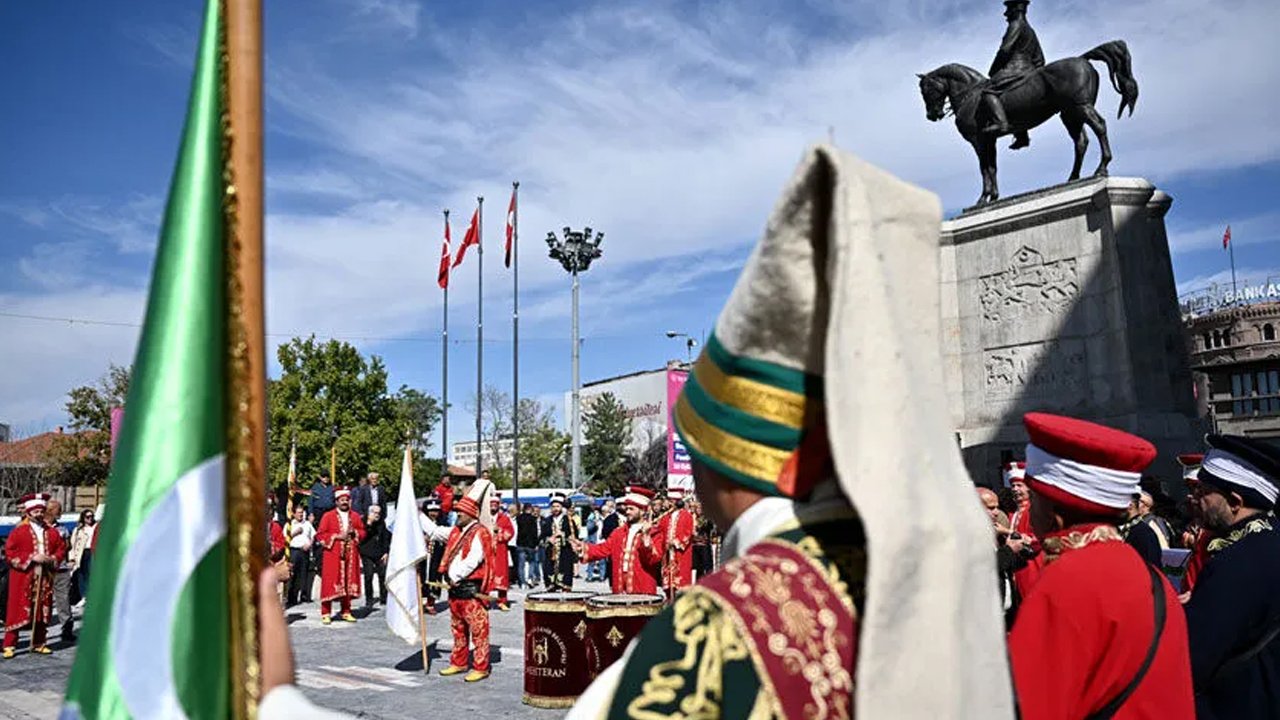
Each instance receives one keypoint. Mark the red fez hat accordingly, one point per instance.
(467, 506)
(1092, 468)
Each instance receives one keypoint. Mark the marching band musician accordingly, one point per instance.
(635, 548)
(436, 535)
(503, 531)
(340, 531)
(790, 458)
(33, 551)
(468, 566)
(557, 530)
(677, 533)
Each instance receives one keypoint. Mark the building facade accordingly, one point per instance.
(1235, 359)
(464, 452)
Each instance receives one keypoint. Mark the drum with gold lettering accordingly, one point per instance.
(555, 656)
(612, 622)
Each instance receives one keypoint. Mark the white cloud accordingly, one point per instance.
(672, 129)
(1254, 230)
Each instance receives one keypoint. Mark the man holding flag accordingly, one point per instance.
(33, 550)
(468, 564)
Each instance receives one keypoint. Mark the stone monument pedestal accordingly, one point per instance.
(1063, 300)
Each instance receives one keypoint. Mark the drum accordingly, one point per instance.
(612, 622)
(555, 631)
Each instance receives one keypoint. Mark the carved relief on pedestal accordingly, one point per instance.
(1045, 370)
(1029, 287)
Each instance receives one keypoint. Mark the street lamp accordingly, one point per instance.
(575, 254)
(689, 343)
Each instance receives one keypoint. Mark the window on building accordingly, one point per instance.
(1208, 341)
(1226, 337)
(1268, 392)
(1217, 338)
(1268, 332)
(1237, 391)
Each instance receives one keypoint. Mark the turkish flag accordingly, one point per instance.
(511, 228)
(471, 238)
(443, 277)
(1226, 238)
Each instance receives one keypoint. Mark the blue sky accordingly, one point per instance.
(669, 125)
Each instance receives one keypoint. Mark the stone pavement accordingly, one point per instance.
(359, 668)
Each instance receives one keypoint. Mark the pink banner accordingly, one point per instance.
(117, 419)
(677, 454)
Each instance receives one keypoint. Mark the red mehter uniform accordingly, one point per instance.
(677, 533)
(636, 555)
(444, 491)
(340, 566)
(27, 580)
(1020, 523)
(1084, 633)
(503, 531)
(468, 563)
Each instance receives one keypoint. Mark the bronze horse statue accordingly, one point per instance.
(1068, 87)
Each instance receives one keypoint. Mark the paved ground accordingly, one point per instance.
(359, 668)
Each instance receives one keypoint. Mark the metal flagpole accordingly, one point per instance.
(515, 339)
(479, 328)
(1231, 248)
(444, 365)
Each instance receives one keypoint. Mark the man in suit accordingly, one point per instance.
(369, 494)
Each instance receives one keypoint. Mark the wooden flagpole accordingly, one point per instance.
(246, 346)
(422, 619)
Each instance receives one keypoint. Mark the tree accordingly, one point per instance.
(544, 450)
(495, 426)
(83, 456)
(328, 394)
(649, 466)
(606, 430)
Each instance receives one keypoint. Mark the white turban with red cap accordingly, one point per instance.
(1079, 464)
(637, 496)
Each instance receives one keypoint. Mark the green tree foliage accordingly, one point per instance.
(544, 450)
(329, 394)
(606, 432)
(83, 456)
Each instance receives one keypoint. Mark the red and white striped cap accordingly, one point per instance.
(1191, 463)
(32, 501)
(637, 496)
(1014, 471)
(1092, 468)
(341, 493)
(675, 492)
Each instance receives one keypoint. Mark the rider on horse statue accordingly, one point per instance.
(1019, 56)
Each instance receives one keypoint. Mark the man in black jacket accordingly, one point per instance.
(528, 574)
(373, 554)
(611, 522)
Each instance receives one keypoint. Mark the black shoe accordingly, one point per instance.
(68, 633)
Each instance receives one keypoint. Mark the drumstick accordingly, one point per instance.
(478, 596)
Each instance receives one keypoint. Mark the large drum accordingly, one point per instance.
(612, 622)
(555, 655)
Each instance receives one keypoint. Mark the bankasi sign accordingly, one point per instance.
(1219, 296)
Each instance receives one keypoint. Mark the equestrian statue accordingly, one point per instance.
(1022, 92)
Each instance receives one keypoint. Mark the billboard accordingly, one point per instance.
(679, 469)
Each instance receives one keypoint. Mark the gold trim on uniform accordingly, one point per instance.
(774, 404)
(598, 613)
(545, 701)
(563, 606)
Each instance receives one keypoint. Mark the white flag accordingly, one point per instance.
(404, 612)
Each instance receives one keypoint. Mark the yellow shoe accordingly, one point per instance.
(348, 617)
(7, 654)
(451, 670)
(475, 676)
(42, 650)
(324, 620)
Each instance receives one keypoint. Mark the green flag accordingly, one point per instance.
(155, 639)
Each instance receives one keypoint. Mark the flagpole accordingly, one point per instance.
(444, 364)
(246, 351)
(1231, 249)
(479, 327)
(515, 340)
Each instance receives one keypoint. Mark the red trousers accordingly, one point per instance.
(326, 606)
(41, 632)
(470, 622)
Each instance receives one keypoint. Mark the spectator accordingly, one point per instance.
(302, 535)
(81, 556)
(528, 572)
(373, 554)
(612, 519)
(62, 574)
(369, 493)
(594, 528)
